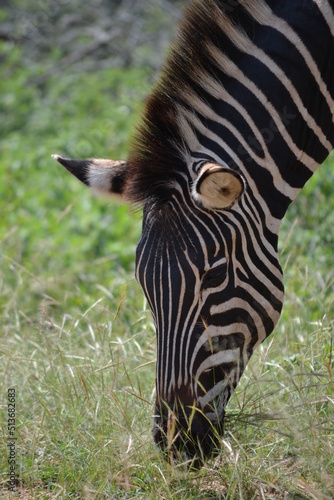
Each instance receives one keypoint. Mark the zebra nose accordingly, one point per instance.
(186, 435)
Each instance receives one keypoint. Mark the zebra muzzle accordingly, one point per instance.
(186, 434)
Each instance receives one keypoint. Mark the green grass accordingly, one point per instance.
(77, 340)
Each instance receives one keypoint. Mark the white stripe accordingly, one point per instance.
(219, 331)
(327, 13)
(175, 378)
(262, 13)
(218, 359)
(144, 285)
(217, 390)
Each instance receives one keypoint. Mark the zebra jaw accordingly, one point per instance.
(102, 176)
(217, 187)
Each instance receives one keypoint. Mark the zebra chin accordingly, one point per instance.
(186, 435)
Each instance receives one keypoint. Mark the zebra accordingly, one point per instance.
(239, 120)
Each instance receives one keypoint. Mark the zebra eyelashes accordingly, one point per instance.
(217, 187)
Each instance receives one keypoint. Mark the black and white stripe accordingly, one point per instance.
(257, 96)
(242, 116)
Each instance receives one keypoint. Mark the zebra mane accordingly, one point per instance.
(159, 148)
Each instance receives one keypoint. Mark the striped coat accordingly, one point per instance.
(238, 122)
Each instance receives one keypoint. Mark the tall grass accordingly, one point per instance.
(77, 340)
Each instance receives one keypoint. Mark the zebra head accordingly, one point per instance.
(210, 272)
(208, 266)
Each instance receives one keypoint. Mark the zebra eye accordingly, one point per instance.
(214, 277)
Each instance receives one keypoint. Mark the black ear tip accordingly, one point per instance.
(71, 164)
(78, 168)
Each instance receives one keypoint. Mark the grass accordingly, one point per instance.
(77, 340)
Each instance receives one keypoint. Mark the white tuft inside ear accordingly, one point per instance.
(217, 187)
(99, 177)
(106, 177)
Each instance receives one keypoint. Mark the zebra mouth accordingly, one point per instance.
(187, 436)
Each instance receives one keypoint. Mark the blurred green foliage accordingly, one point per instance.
(49, 223)
(77, 115)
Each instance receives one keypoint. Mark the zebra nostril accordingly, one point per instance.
(204, 437)
(187, 436)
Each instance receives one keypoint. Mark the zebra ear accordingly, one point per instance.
(102, 176)
(217, 186)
